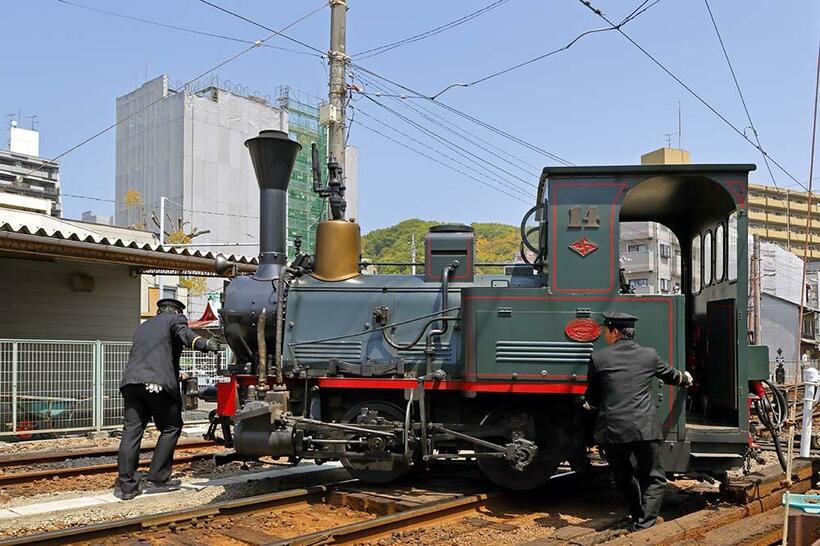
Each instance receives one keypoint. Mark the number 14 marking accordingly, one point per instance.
(588, 220)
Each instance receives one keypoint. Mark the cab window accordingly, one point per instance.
(731, 244)
(696, 264)
(707, 258)
(720, 248)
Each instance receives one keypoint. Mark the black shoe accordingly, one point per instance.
(127, 496)
(170, 483)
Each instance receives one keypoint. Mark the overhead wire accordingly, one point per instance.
(431, 158)
(372, 52)
(451, 144)
(180, 28)
(691, 91)
(457, 130)
(495, 180)
(184, 86)
(633, 15)
(264, 27)
(372, 73)
(740, 93)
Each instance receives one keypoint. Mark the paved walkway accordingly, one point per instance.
(192, 485)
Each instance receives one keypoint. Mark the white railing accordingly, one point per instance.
(57, 386)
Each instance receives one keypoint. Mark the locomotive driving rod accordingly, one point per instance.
(343, 427)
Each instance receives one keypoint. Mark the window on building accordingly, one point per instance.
(665, 285)
(665, 250)
(720, 234)
(638, 283)
(731, 246)
(169, 292)
(696, 262)
(637, 248)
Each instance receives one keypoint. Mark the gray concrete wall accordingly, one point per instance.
(779, 326)
(38, 302)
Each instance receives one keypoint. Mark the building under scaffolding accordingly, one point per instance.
(305, 208)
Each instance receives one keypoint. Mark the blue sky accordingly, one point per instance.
(600, 102)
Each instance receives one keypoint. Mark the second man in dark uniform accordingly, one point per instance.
(620, 387)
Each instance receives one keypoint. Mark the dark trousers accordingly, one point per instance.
(140, 407)
(640, 476)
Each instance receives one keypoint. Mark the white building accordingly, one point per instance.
(188, 147)
(23, 173)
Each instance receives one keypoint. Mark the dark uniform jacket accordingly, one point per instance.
(619, 384)
(155, 352)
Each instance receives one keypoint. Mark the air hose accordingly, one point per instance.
(772, 410)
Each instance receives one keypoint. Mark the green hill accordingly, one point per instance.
(495, 243)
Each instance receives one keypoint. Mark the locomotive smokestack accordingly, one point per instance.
(273, 155)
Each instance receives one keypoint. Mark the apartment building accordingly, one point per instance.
(779, 215)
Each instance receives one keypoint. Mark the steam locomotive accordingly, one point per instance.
(388, 373)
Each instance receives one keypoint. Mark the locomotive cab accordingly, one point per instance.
(703, 327)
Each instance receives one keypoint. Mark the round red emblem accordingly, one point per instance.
(583, 329)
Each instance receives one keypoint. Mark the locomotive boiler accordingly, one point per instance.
(388, 373)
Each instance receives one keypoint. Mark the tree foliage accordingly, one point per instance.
(495, 243)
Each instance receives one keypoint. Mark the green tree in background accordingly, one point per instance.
(495, 243)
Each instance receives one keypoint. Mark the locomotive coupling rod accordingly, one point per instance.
(477, 441)
(343, 427)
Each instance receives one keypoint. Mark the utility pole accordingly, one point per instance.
(337, 89)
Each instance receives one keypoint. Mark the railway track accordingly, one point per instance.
(146, 525)
(11, 464)
(752, 514)
(51, 456)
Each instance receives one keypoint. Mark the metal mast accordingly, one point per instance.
(337, 90)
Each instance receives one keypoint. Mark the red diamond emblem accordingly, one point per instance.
(584, 247)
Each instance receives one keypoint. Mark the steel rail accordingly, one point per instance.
(152, 521)
(62, 455)
(65, 472)
(361, 531)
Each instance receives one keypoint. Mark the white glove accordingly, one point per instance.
(686, 380)
(587, 407)
(153, 388)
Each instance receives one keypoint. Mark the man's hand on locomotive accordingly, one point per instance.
(210, 345)
(686, 380)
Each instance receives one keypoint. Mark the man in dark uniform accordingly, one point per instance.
(619, 385)
(150, 390)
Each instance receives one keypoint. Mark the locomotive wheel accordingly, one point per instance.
(529, 426)
(376, 471)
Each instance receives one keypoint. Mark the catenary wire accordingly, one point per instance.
(181, 29)
(372, 52)
(466, 116)
(443, 164)
(364, 69)
(703, 101)
(260, 25)
(452, 144)
(460, 132)
(492, 178)
(740, 93)
(189, 82)
(634, 14)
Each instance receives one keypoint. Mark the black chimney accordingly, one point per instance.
(273, 155)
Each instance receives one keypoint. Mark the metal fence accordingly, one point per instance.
(49, 386)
